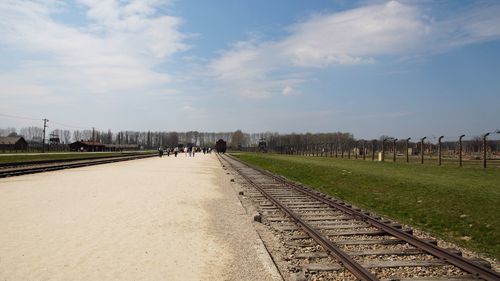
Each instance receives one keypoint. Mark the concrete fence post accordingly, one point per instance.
(485, 147)
(373, 150)
(406, 146)
(460, 147)
(364, 149)
(394, 150)
(383, 150)
(349, 150)
(342, 150)
(422, 148)
(356, 148)
(439, 149)
(337, 149)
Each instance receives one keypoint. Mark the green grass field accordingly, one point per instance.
(10, 158)
(459, 205)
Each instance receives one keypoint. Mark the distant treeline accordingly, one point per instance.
(235, 140)
(146, 139)
(346, 142)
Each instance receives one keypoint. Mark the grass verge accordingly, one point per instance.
(458, 205)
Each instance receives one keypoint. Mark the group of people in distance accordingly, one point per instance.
(187, 150)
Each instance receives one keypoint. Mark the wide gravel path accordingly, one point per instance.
(152, 219)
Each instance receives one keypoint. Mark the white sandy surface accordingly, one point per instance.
(152, 219)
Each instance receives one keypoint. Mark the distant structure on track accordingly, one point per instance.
(221, 146)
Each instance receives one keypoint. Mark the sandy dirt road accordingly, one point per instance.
(152, 219)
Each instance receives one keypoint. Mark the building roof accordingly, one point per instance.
(88, 143)
(10, 140)
(121, 145)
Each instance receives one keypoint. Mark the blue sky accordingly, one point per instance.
(399, 68)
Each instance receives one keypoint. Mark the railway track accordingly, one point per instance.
(24, 168)
(332, 240)
(11, 165)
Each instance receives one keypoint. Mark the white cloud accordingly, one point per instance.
(117, 50)
(247, 68)
(358, 36)
(288, 91)
(354, 36)
(187, 108)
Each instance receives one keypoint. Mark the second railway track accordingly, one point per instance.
(18, 169)
(337, 241)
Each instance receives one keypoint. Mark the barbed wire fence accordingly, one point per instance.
(461, 150)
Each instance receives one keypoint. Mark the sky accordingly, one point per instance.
(372, 68)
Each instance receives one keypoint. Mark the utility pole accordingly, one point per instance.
(45, 120)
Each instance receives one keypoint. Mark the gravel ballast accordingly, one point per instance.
(152, 219)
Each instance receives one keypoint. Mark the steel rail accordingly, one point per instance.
(452, 258)
(54, 161)
(33, 170)
(354, 267)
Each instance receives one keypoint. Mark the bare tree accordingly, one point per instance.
(237, 139)
(172, 139)
(66, 136)
(5, 132)
(77, 135)
(32, 133)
